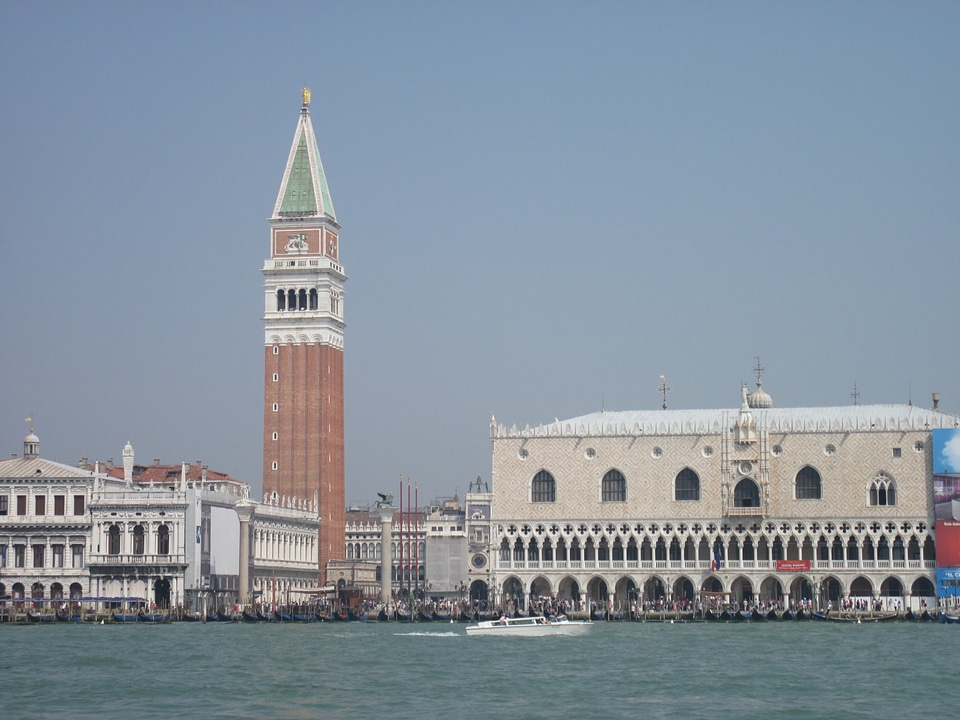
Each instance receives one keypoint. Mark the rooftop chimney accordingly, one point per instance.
(936, 401)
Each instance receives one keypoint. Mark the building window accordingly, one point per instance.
(138, 540)
(746, 494)
(897, 452)
(276, 349)
(544, 488)
(76, 552)
(276, 377)
(19, 556)
(40, 505)
(78, 504)
(614, 487)
(21, 504)
(163, 540)
(275, 436)
(3, 559)
(274, 465)
(59, 504)
(883, 490)
(38, 553)
(113, 540)
(3, 504)
(686, 486)
(276, 407)
(57, 556)
(808, 486)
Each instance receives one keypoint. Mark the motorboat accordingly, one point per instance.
(534, 626)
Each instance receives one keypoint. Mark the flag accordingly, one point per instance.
(717, 558)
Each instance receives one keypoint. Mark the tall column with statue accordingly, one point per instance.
(245, 509)
(385, 510)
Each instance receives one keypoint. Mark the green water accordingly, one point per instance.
(379, 670)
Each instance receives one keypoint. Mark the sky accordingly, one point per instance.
(545, 206)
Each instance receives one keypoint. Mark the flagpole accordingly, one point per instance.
(409, 552)
(400, 557)
(416, 530)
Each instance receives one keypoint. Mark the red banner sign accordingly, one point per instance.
(793, 565)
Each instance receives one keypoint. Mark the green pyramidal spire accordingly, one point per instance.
(304, 191)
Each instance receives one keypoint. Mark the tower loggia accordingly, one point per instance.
(303, 435)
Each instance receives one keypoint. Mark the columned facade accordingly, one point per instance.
(303, 436)
(763, 505)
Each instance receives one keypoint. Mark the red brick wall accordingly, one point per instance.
(309, 425)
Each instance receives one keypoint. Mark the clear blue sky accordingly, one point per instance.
(545, 206)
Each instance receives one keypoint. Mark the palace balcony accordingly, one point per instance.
(705, 565)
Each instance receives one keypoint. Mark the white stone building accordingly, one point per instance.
(112, 538)
(756, 504)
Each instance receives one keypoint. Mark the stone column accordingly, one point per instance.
(245, 510)
(386, 555)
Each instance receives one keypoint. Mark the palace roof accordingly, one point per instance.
(670, 422)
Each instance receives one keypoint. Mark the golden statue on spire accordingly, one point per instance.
(306, 96)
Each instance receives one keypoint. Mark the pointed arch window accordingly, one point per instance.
(686, 486)
(883, 490)
(614, 487)
(544, 488)
(808, 485)
(746, 494)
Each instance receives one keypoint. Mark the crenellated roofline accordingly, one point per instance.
(859, 418)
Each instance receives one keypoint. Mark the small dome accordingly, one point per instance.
(31, 438)
(759, 399)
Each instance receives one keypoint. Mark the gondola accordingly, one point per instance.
(126, 617)
(152, 618)
(774, 616)
(757, 616)
(248, 616)
(35, 618)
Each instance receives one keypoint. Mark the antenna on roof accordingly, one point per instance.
(855, 394)
(664, 389)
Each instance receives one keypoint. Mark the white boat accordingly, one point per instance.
(530, 626)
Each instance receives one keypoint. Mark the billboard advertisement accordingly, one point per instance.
(948, 582)
(946, 451)
(948, 543)
(793, 565)
(946, 473)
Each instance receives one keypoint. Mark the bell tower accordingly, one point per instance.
(303, 453)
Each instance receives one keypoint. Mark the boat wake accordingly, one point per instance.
(427, 634)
